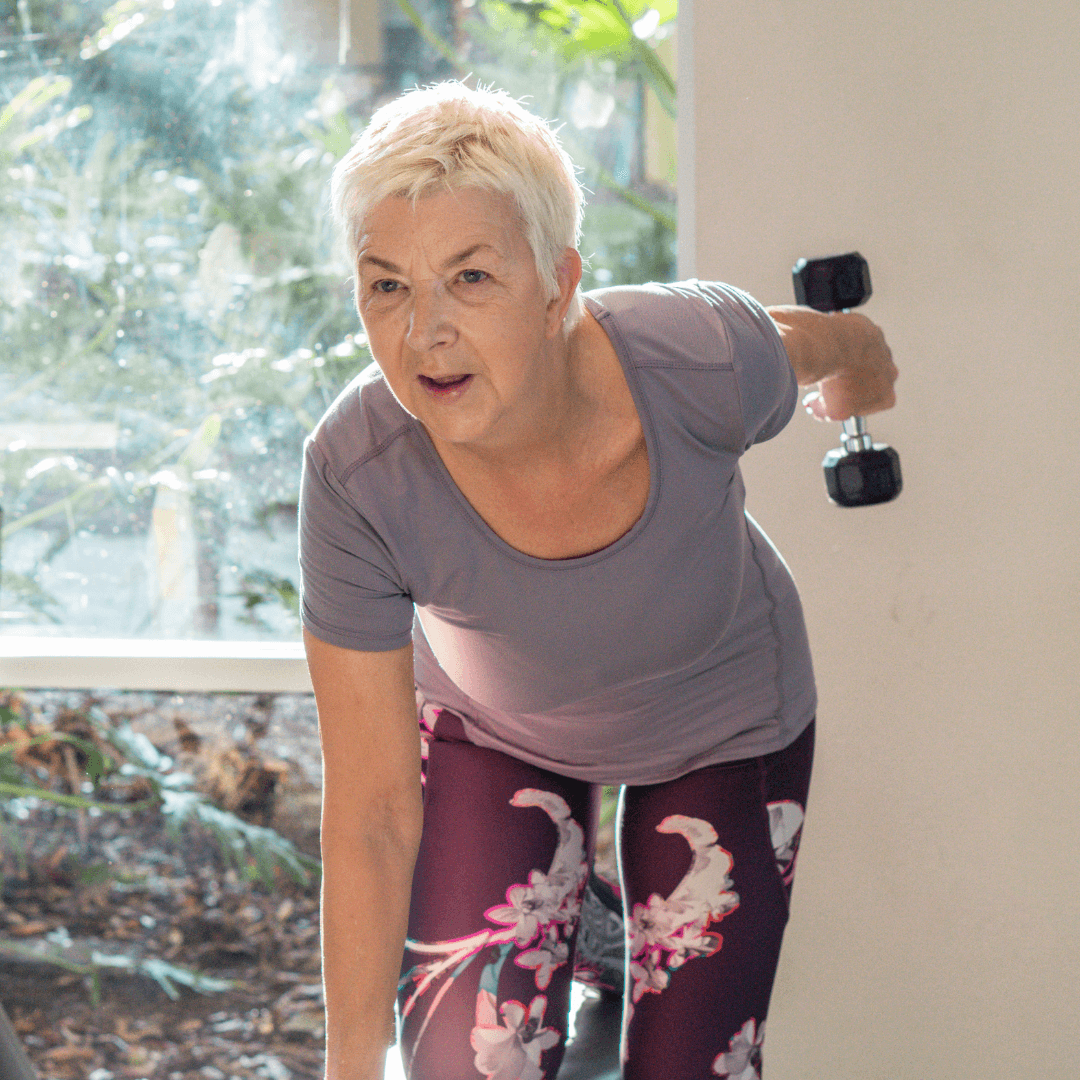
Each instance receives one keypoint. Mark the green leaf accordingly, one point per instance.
(202, 442)
(95, 766)
(33, 98)
(47, 132)
(95, 874)
(74, 802)
(429, 35)
(122, 19)
(166, 975)
(240, 840)
(609, 804)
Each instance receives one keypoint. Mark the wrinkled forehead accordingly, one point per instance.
(439, 223)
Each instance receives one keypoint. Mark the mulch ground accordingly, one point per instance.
(173, 899)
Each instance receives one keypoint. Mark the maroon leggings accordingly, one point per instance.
(706, 864)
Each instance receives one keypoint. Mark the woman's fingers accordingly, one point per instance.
(864, 377)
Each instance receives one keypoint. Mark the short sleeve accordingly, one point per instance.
(351, 594)
(768, 390)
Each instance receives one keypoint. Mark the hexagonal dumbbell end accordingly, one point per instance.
(861, 472)
(862, 477)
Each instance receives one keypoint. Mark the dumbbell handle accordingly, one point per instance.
(855, 436)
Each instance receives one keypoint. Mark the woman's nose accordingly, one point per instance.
(429, 319)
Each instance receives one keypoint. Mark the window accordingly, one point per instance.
(174, 314)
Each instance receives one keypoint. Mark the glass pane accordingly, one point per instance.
(174, 317)
(174, 313)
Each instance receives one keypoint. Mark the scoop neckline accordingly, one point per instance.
(607, 322)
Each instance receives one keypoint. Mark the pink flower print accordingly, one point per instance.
(695, 941)
(743, 1059)
(426, 713)
(511, 1050)
(649, 975)
(705, 891)
(680, 924)
(556, 895)
(549, 954)
(566, 876)
(785, 826)
(655, 926)
(528, 908)
(487, 1015)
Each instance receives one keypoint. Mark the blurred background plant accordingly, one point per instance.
(88, 761)
(174, 313)
(86, 765)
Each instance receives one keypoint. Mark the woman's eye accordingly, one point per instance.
(386, 286)
(473, 277)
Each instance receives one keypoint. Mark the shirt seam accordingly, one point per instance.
(364, 458)
(689, 365)
(781, 699)
(323, 630)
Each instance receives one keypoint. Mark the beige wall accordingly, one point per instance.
(936, 928)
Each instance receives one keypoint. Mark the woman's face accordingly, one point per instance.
(456, 316)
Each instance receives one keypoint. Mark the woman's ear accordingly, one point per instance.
(568, 276)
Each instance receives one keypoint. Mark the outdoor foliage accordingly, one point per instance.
(170, 271)
(88, 763)
(96, 764)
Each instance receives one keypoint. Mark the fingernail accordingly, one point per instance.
(814, 404)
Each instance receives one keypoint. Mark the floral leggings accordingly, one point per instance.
(706, 862)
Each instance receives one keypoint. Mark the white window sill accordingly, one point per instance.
(29, 663)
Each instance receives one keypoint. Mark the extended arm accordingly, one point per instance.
(843, 355)
(372, 817)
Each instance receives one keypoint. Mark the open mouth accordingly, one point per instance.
(444, 385)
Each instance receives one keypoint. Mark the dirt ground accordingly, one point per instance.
(174, 899)
(119, 883)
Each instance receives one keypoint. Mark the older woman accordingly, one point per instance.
(525, 529)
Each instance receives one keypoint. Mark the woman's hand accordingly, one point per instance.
(843, 356)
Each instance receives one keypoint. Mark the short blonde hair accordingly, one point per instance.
(450, 136)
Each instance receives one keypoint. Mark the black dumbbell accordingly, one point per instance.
(861, 472)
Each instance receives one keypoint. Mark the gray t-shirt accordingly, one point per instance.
(681, 645)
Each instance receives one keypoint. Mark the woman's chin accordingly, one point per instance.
(450, 425)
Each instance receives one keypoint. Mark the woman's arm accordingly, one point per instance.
(843, 355)
(372, 817)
